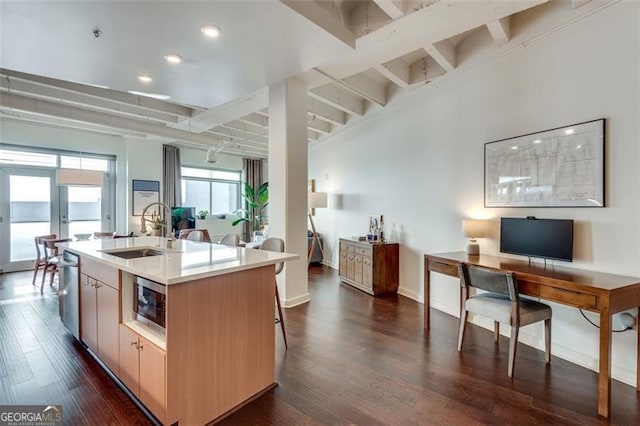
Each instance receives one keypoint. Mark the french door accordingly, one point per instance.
(31, 204)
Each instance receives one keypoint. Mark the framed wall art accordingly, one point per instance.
(144, 193)
(562, 167)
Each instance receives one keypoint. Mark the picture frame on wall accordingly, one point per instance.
(144, 192)
(561, 167)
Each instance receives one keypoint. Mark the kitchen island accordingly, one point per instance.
(217, 349)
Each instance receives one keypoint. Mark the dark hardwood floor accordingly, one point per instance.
(352, 359)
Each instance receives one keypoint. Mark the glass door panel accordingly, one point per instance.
(83, 210)
(27, 210)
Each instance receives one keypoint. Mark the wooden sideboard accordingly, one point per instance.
(370, 267)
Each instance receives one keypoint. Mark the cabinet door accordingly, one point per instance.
(357, 274)
(367, 272)
(108, 301)
(152, 377)
(343, 261)
(129, 369)
(88, 313)
(351, 265)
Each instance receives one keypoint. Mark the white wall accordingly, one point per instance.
(44, 136)
(420, 164)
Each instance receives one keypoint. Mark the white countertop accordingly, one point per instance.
(186, 261)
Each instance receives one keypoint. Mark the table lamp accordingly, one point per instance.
(473, 229)
(315, 200)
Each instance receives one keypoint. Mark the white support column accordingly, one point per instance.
(288, 150)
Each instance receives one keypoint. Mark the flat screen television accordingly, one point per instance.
(546, 238)
(182, 218)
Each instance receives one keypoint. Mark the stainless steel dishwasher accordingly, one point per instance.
(69, 292)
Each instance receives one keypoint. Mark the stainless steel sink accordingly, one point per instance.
(134, 253)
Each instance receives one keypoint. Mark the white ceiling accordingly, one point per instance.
(355, 56)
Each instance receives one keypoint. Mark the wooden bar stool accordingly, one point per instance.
(40, 261)
(51, 258)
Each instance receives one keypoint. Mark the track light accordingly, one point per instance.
(211, 155)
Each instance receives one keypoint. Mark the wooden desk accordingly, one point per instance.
(599, 292)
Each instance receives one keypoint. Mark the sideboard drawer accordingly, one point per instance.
(443, 268)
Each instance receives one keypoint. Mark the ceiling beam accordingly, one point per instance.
(320, 126)
(61, 122)
(315, 13)
(577, 3)
(39, 106)
(113, 95)
(393, 8)
(245, 127)
(326, 112)
(362, 86)
(425, 70)
(339, 98)
(29, 88)
(312, 135)
(428, 25)
(226, 112)
(397, 71)
(444, 53)
(500, 30)
(256, 119)
(228, 133)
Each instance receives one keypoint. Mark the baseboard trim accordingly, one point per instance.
(408, 293)
(299, 300)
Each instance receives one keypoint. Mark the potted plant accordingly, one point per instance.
(156, 225)
(202, 214)
(256, 204)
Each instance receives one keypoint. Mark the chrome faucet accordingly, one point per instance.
(144, 220)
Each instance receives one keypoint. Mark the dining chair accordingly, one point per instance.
(231, 240)
(502, 304)
(40, 261)
(277, 244)
(194, 235)
(52, 258)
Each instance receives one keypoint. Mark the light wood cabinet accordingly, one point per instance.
(100, 313)
(143, 370)
(370, 267)
(88, 314)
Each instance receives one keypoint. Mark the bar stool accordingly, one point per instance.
(277, 244)
(231, 240)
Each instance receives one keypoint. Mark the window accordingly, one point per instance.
(217, 191)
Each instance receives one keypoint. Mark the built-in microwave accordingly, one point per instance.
(149, 303)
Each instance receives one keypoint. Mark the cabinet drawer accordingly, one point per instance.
(101, 272)
(366, 251)
(528, 288)
(568, 297)
(443, 268)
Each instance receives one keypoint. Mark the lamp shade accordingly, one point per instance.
(317, 200)
(474, 228)
(78, 177)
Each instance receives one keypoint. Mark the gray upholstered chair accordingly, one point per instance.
(277, 244)
(502, 304)
(201, 235)
(231, 240)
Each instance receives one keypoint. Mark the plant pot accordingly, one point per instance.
(156, 232)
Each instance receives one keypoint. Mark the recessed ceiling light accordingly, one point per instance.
(173, 58)
(514, 147)
(150, 95)
(569, 132)
(145, 78)
(211, 31)
(537, 141)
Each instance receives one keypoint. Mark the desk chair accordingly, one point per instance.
(231, 240)
(41, 260)
(194, 235)
(501, 304)
(52, 259)
(276, 244)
